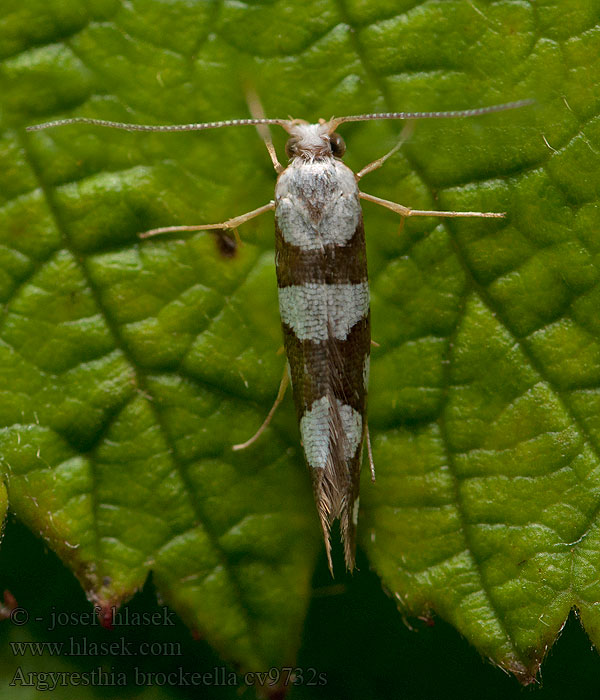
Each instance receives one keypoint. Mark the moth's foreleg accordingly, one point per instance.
(404, 135)
(285, 380)
(406, 211)
(230, 224)
(257, 112)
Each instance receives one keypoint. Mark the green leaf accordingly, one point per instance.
(129, 368)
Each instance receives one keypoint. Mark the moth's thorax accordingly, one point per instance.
(317, 180)
(317, 203)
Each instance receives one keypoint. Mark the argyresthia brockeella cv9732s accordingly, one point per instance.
(323, 294)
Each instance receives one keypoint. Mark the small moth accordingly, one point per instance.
(321, 264)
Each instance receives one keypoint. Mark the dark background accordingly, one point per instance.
(353, 634)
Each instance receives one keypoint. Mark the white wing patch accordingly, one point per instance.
(311, 308)
(316, 438)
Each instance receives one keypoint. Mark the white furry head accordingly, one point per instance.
(313, 141)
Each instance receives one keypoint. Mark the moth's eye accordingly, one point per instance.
(338, 147)
(290, 147)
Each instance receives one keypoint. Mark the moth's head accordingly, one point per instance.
(313, 141)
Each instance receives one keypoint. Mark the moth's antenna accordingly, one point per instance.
(150, 127)
(432, 115)
(285, 123)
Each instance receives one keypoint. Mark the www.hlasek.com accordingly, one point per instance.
(81, 646)
(219, 676)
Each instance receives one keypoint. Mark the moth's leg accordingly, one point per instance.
(370, 453)
(229, 224)
(404, 135)
(406, 211)
(257, 112)
(285, 380)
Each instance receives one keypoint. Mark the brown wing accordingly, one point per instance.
(329, 380)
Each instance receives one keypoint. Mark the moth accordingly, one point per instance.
(322, 279)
